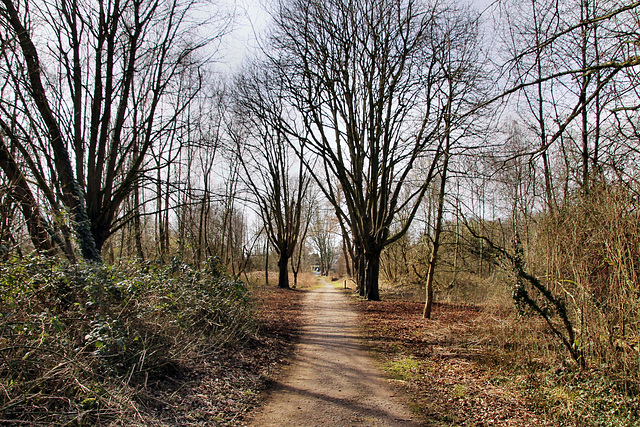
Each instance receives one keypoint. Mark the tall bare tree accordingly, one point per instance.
(114, 79)
(273, 174)
(461, 63)
(363, 78)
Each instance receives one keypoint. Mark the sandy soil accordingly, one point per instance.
(332, 381)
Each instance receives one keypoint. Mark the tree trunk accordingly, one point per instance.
(347, 258)
(428, 304)
(283, 271)
(359, 270)
(137, 226)
(584, 84)
(433, 260)
(266, 262)
(295, 271)
(371, 275)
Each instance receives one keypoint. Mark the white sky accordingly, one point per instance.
(251, 21)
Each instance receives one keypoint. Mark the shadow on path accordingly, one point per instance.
(331, 381)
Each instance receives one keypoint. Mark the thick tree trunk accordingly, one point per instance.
(358, 270)
(371, 275)
(283, 271)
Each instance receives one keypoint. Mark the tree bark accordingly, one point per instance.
(371, 275)
(72, 194)
(266, 261)
(283, 271)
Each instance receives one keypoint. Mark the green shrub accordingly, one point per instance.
(77, 340)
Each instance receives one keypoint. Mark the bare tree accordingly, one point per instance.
(363, 78)
(40, 231)
(301, 251)
(530, 23)
(461, 64)
(114, 80)
(274, 176)
(18, 35)
(565, 57)
(323, 239)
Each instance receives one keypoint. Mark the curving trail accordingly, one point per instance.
(332, 381)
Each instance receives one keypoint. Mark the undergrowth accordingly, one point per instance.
(521, 350)
(491, 366)
(79, 343)
(575, 398)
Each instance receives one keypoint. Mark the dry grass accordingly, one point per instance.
(584, 261)
(256, 279)
(478, 365)
(442, 363)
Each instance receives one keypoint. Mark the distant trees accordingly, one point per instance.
(205, 189)
(274, 176)
(324, 231)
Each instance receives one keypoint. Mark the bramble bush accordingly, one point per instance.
(77, 342)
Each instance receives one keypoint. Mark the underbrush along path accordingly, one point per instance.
(331, 381)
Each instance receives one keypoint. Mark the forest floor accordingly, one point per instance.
(451, 370)
(444, 364)
(223, 388)
(467, 366)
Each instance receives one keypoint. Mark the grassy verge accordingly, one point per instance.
(152, 344)
(471, 367)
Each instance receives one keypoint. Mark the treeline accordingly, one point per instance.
(423, 141)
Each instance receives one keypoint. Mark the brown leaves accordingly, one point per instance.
(454, 383)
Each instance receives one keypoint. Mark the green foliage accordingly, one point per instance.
(403, 368)
(86, 333)
(588, 398)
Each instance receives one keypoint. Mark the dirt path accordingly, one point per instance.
(332, 381)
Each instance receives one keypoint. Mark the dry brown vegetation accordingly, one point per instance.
(554, 297)
(477, 366)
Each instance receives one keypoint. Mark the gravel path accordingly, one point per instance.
(332, 381)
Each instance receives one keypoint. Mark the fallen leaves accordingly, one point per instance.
(453, 384)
